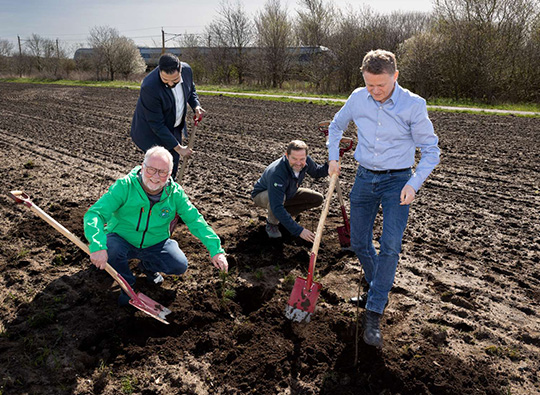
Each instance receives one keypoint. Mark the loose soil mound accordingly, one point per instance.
(463, 316)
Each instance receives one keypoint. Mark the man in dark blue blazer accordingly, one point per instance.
(160, 114)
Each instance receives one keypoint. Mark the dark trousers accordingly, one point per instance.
(303, 200)
(164, 257)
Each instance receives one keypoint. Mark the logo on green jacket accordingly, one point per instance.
(165, 213)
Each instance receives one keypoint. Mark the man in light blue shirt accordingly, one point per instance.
(392, 122)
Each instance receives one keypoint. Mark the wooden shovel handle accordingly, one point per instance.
(339, 194)
(319, 232)
(23, 198)
(191, 142)
(324, 213)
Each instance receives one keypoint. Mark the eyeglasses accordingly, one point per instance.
(152, 170)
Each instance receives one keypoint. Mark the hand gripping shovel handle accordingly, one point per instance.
(191, 142)
(139, 301)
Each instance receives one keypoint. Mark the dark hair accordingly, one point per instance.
(297, 145)
(169, 63)
(378, 62)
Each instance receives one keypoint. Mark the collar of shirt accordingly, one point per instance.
(179, 85)
(392, 100)
(178, 93)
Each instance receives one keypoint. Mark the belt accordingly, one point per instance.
(387, 171)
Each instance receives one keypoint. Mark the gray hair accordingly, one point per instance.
(157, 150)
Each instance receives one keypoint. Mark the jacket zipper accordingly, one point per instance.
(146, 229)
(140, 217)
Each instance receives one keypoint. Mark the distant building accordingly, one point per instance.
(151, 55)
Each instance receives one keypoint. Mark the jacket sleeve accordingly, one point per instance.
(152, 106)
(277, 185)
(196, 223)
(424, 138)
(315, 170)
(100, 213)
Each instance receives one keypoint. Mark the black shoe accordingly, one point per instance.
(359, 301)
(362, 301)
(372, 330)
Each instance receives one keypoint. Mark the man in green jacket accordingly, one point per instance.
(131, 221)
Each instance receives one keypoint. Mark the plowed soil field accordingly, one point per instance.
(463, 316)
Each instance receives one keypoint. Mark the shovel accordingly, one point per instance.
(138, 300)
(182, 171)
(306, 291)
(344, 232)
(191, 142)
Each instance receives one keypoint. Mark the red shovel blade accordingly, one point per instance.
(143, 302)
(150, 307)
(344, 237)
(302, 300)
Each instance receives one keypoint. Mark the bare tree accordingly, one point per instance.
(353, 37)
(194, 54)
(48, 57)
(102, 40)
(529, 71)
(40, 50)
(274, 36)
(421, 65)
(316, 22)
(113, 53)
(231, 33)
(404, 25)
(127, 58)
(484, 40)
(6, 49)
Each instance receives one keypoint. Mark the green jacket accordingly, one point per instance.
(125, 210)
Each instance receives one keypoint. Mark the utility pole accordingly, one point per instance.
(57, 59)
(20, 56)
(162, 41)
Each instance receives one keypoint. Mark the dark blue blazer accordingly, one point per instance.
(155, 113)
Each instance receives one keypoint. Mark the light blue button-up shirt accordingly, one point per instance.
(388, 133)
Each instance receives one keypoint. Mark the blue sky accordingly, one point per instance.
(141, 20)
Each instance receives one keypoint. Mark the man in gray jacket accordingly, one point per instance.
(278, 190)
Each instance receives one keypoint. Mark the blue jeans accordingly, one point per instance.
(369, 192)
(165, 257)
